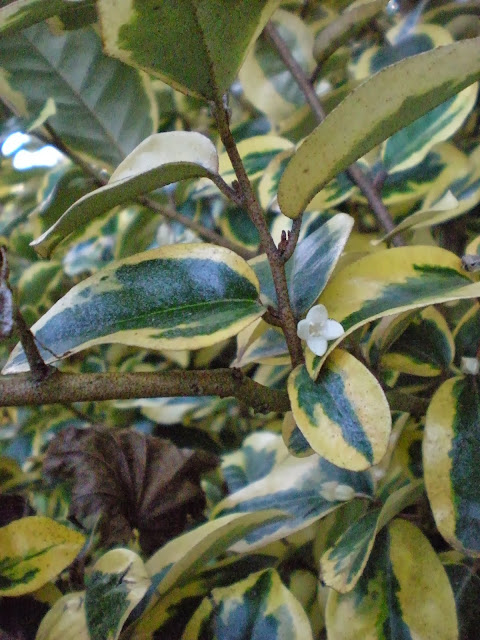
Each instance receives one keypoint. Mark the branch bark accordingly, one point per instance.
(22, 389)
(275, 257)
(355, 172)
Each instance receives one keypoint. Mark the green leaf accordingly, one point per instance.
(159, 160)
(116, 584)
(34, 550)
(342, 564)
(466, 588)
(450, 451)
(183, 296)
(404, 592)
(383, 104)
(392, 281)
(183, 43)
(258, 607)
(344, 416)
(93, 116)
(305, 488)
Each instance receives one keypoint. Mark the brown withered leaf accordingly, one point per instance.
(131, 480)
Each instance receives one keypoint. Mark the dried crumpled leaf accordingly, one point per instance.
(130, 481)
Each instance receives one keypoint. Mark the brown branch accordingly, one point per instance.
(355, 172)
(40, 370)
(275, 257)
(292, 239)
(168, 212)
(22, 389)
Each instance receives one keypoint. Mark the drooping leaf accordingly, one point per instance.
(159, 160)
(152, 36)
(404, 592)
(117, 583)
(176, 297)
(344, 415)
(382, 105)
(258, 607)
(131, 480)
(92, 115)
(34, 550)
(388, 282)
(305, 488)
(342, 564)
(452, 476)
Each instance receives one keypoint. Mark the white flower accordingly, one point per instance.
(316, 329)
(470, 366)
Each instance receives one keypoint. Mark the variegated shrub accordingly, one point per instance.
(239, 320)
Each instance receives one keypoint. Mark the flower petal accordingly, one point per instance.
(332, 330)
(317, 344)
(318, 314)
(303, 329)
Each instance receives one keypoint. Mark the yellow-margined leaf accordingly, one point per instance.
(260, 605)
(154, 36)
(34, 550)
(404, 592)
(383, 104)
(450, 452)
(66, 620)
(159, 160)
(388, 282)
(344, 415)
(184, 296)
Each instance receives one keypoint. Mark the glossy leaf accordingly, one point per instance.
(305, 488)
(388, 282)
(258, 607)
(159, 160)
(34, 550)
(404, 592)
(344, 415)
(117, 583)
(207, 294)
(342, 564)
(449, 458)
(93, 116)
(152, 36)
(385, 103)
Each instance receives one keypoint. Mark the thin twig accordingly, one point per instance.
(275, 258)
(292, 239)
(39, 370)
(168, 212)
(355, 172)
(22, 390)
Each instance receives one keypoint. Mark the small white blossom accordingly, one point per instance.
(470, 366)
(316, 329)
